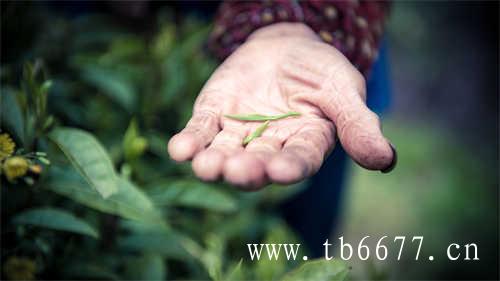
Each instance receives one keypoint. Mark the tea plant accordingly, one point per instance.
(88, 191)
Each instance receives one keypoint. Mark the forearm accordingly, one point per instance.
(353, 28)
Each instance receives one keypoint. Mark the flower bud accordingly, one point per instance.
(15, 167)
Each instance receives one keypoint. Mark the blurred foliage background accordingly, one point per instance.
(121, 86)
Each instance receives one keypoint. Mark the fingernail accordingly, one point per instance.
(394, 160)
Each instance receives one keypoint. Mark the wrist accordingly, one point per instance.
(284, 29)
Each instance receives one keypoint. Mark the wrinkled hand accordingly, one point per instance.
(281, 68)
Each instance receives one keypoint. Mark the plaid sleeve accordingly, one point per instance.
(353, 27)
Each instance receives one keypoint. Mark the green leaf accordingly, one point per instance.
(133, 144)
(275, 193)
(45, 87)
(84, 270)
(111, 83)
(235, 272)
(55, 219)
(260, 117)
(146, 267)
(211, 258)
(88, 157)
(174, 75)
(128, 202)
(169, 244)
(153, 238)
(43, 160)
(135, 226)
(257, 133)
(123, 49)
(163, 41)
(11, 116)
(191, 193)
(319, 270)
(247, 220)
(278, 233)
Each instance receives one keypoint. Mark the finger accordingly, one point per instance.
(264, 148)
(358, 128)
(208, 164)
(246, 171)
(362, 138)
(359, 131)
(302, 155)
(199, 131)
(240, 168)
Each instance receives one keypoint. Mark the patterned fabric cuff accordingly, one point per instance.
(353, 27)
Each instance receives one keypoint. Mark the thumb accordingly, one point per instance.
(358, 128)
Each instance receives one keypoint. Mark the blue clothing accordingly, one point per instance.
(379, 82)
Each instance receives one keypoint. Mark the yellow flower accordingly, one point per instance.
(36, 169)
(15, 167)
(19, 268)
(7, 146)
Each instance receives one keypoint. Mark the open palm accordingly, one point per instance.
(281, 68)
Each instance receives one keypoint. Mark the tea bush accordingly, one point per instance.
(88, 191)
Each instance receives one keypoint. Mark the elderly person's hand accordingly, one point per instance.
(283, 67)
